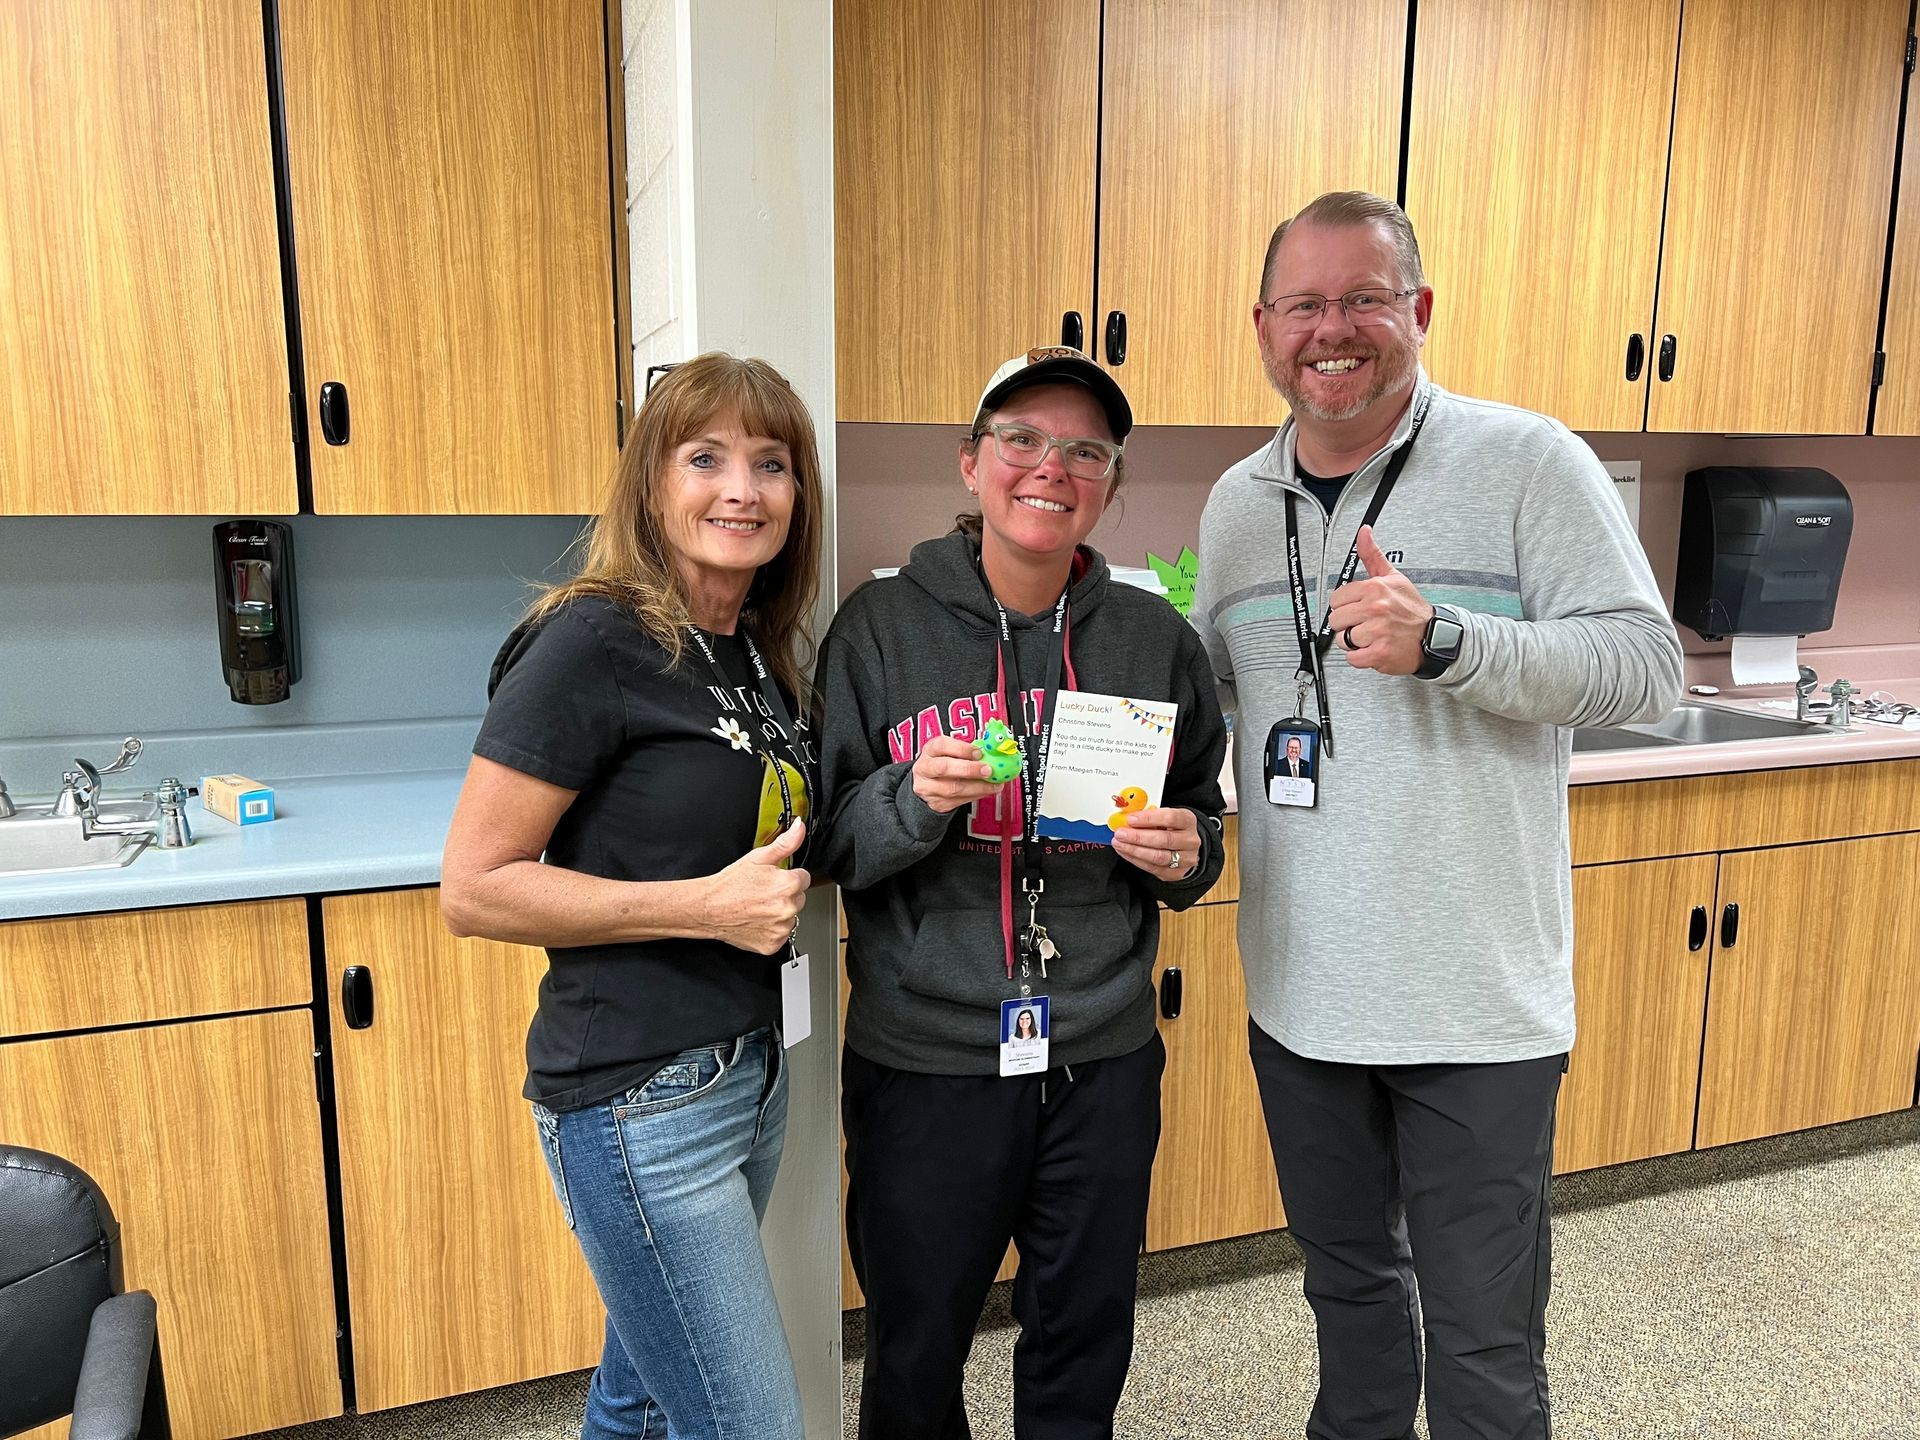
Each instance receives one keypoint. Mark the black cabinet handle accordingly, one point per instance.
(1636, 356)
(1073, 331)
(1116, 337)
(356, 996)
(1729, 926)
(336, 417)
(1668, 349)
(1170, 997)
(1697, 928)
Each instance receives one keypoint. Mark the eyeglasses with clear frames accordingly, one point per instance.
(1362, 307)
(1024, 447)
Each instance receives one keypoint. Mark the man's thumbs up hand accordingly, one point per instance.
(1381, 620)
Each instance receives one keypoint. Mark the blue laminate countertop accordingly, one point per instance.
(333, 833)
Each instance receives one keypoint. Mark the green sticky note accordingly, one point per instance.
(1177, 576)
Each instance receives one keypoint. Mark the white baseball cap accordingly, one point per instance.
(1057, 365)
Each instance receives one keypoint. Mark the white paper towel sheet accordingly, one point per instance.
(1766, 659)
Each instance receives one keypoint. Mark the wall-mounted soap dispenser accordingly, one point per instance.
(259, 630)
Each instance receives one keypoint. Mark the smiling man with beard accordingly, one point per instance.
(1440, 588)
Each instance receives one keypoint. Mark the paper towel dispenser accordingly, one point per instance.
(1761, 550)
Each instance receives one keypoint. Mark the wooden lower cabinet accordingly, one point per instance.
(1214, 1174)
(1814, 1011)
(461, 1271)
(1639, 997)
(205, 1138)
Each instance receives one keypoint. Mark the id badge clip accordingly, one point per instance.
(1291, 765)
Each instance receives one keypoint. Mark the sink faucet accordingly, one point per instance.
(1841, 714)
(1803, 691)
(169, 828)
(6, 801)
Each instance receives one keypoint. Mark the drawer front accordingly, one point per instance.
(82, 972)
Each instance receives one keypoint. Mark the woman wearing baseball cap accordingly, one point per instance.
(962, 1133)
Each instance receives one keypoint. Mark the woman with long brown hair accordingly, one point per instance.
(650, 736)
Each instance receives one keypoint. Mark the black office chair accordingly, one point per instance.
(70, 1341)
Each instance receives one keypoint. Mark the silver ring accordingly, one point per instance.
(1173, 861)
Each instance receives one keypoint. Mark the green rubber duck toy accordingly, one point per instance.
(1000, 750)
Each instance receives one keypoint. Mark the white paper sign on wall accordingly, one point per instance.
(1626, 481)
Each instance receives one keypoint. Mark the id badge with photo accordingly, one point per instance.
(1024, 1028)
(1291, 766)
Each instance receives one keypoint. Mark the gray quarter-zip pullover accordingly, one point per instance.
(1422, 911)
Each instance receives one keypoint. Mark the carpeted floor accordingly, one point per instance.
(1768, 1291)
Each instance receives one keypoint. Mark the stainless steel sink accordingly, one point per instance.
(34, 841)
(1696, 724)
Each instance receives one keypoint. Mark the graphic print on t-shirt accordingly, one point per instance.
(743, 707)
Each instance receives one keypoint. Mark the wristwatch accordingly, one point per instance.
(1440, 646)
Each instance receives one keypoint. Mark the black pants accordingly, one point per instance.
(1440, 1172)
(942, 1170)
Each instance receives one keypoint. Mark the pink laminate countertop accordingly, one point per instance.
(1864, 740)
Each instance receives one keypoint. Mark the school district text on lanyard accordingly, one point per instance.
(1314, 646)
(1034, 942)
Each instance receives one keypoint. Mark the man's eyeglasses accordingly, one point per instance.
(1362, 307)
(1025, 447)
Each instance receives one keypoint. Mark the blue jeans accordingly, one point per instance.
(665, 1187)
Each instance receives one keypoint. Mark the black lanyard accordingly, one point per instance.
(1033, 756)
(776, 704)
(1314, 645)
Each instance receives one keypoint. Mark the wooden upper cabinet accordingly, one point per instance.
(462, 1270)
(453, 230)
(964, 153)
(1814, 1011)
(1218, 121)
(1898, 412)
(1535, 177)
(142, 324)
(1781, 178)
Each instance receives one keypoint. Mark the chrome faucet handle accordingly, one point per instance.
(1842, 692)
(1803, 689)
(71, 802)
(171, 797)
(130, 749)
(7, 806)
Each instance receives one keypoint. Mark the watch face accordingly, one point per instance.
(1446, 637)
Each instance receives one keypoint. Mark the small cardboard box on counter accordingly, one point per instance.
(236, 798)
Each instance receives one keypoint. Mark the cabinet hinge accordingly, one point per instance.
(293, 415)
(1913, 51)
(320, 1078)
(1879, 368)
(619, 423)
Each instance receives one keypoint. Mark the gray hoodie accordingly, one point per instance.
(913, 657)
(1422, 912)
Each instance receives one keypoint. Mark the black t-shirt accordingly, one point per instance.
(1325, 489)
(669, 790)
